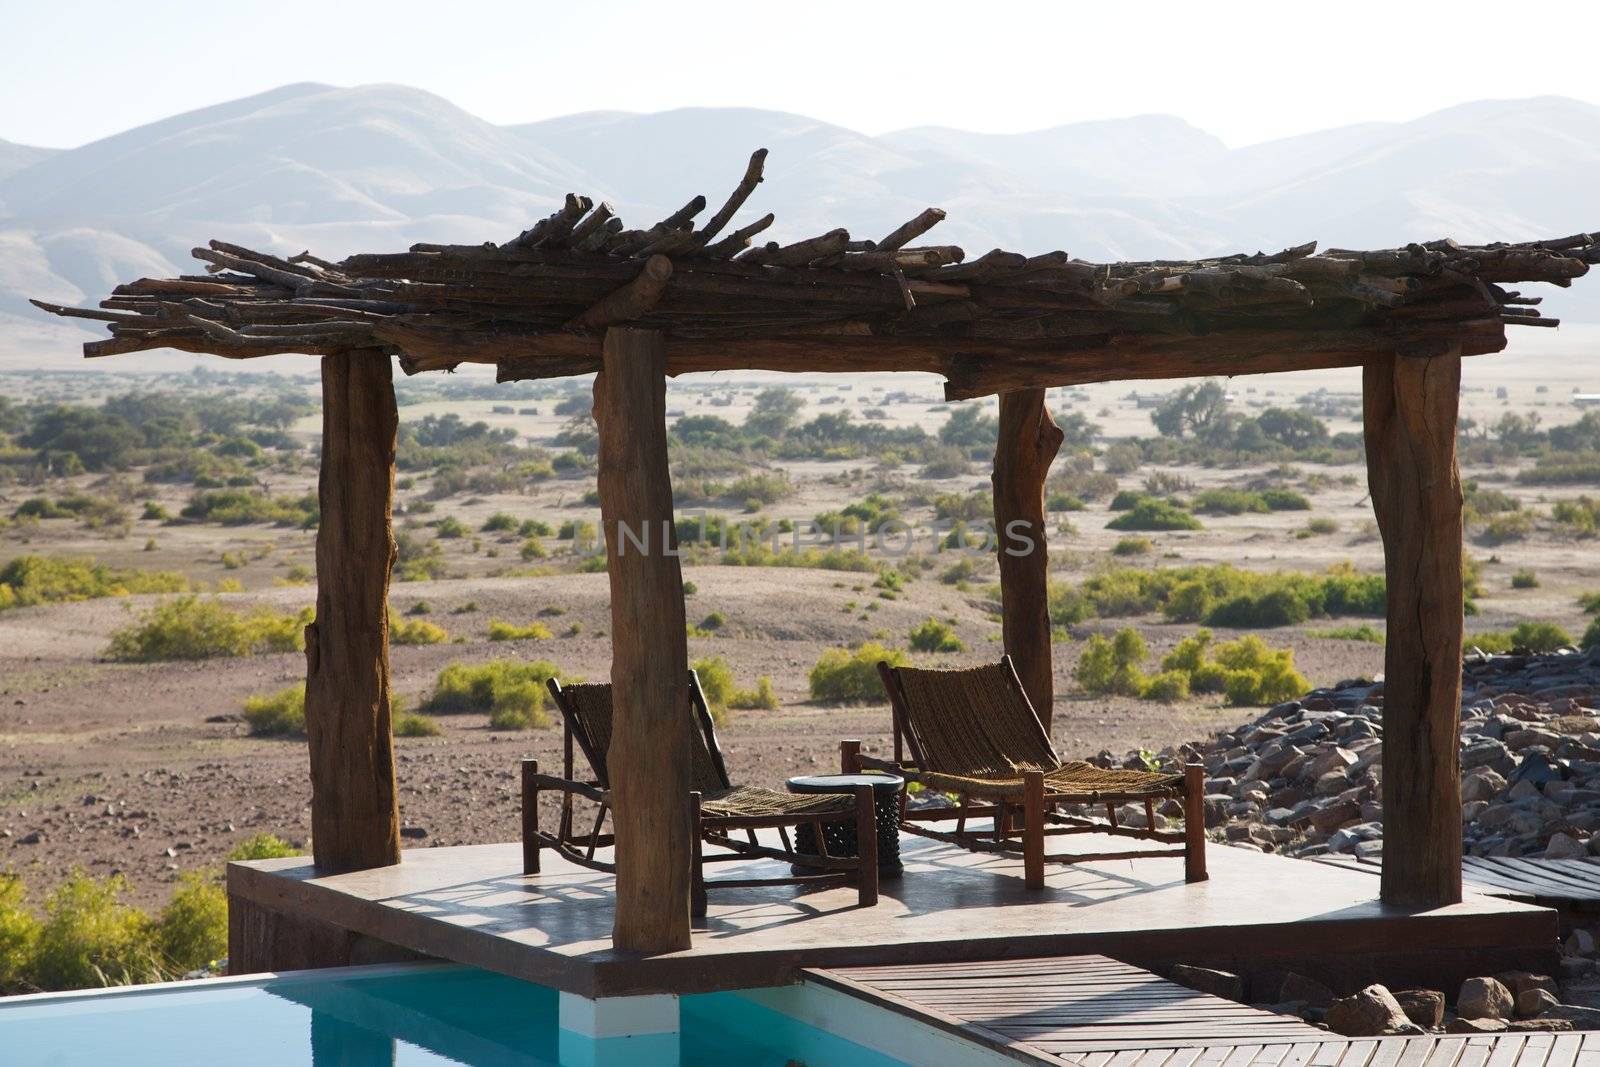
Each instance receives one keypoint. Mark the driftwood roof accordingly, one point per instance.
(537, 305)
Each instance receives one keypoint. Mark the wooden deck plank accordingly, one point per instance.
(1075, 1006)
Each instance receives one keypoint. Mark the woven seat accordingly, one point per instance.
(1075, 779)
(973, 732)
(718, 807)
(749, 801)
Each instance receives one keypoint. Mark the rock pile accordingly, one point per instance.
(1305, 778)
(1514, 1000)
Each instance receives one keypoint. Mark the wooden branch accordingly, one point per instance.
(631, 300)
(738, 239)
(736, 199)
(909, 231)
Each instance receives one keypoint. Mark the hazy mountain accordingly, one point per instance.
(382, 166)
(14, 157)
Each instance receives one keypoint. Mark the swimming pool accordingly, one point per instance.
(414, 1016)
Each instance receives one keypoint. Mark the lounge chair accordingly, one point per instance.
(974, 733)
(717, 807)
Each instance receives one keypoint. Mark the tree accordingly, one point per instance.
(99, 439)
(1295, 428)
(774, 413)
(1194, 409)
(971, 427)
(1077, 432)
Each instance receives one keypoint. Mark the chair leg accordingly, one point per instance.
(850, 757)
(1194, 823)
(697, 889)
(530, 817)
(866, 846)
(1033, 829)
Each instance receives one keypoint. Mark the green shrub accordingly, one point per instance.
(534, 528)
(412, 724)
(1284, 500)
(263, 846)
(278, 714)
(1590, 603)
(1580, 517)
(241, 507)
(1150, 514)
(1524, 579)
(500, 522)
(449, 528)
(1257, 675)
(716, 682)
(30, 580)
(190, 628)
(1133, 546)
(1168, 686)
(935, 636)
(192, 930)
(415, 632)
(512, 692)
(1563, 469)
(1228, 502)
(1113, 666)
(843, 676)
(761, 698)
(506, 631)
(532, 549)
(1058, 500)
(1507, 526)
(1591, 636)
(19, 936)
(91, 938)
(1524, 637)
(1321, 527)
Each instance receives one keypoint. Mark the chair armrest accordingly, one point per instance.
(566, 785)
(872, 763)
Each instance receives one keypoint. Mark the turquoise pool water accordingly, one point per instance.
(431, 1015)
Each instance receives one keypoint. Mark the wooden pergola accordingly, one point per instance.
(581, 293)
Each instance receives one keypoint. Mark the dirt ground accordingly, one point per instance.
(147, 770)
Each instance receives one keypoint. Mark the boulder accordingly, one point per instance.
(1484, 998)
(1532, 1003)
(1564, 846)
(1580, 943)
(1520, 982)
(1475, 1026)
(1482, 783)
(1425, 1007)
(1299, 987)
(1222, 984)
(1373, 1012)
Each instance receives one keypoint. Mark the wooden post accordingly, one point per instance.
(355, 818)
(1411, 404)
(1029, 440)
(1194, 823)
(651, 738)
(1032, 829)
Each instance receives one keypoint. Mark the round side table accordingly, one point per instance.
(841, 835)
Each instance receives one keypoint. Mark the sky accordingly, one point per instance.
(1242, 70)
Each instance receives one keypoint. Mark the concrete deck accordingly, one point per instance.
(1257, 913)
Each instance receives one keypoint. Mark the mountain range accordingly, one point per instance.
(378, 167)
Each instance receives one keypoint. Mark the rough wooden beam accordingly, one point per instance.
(1028, 442)
(355, 818)
(1410, 407)
(651, 740)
